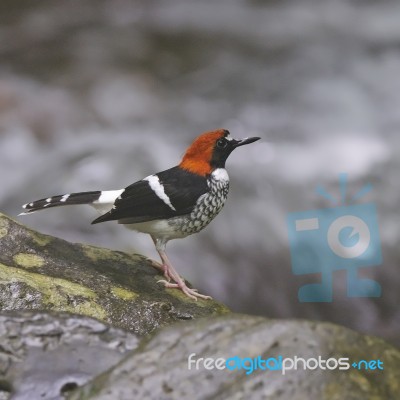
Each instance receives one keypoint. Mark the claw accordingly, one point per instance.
(163, 268)
(192, 293)
(168, 284)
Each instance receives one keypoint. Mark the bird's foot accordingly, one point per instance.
(192, 293)
(163, 268)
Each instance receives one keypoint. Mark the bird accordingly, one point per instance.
(167, 205)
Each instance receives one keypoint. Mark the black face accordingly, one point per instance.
(224, 146)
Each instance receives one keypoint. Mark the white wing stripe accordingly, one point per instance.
(158, 189)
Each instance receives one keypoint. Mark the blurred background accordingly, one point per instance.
(97, 94)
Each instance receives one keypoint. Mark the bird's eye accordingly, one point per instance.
(221, 143)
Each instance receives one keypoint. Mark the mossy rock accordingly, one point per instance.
(42, 272)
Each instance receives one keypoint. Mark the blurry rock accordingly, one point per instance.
(43, 272)
(44, 355)
(158, 369)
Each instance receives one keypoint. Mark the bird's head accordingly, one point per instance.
(210, 151)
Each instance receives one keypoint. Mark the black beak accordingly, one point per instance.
(244, 141)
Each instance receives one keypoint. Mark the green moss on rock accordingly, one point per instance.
(3, 227)
(123, 294)
(43, 272)
(27, 260)
(56, 293)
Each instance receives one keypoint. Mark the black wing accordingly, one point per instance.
(140, 203)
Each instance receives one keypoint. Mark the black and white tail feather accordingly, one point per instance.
(103, 201)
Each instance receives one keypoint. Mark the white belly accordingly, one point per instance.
(158, 228)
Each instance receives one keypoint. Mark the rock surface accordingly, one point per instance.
(46, 273)
(44, 355)
(158, 369)
(56, 355)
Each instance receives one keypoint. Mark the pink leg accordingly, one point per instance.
(170, 272)
(162, 267)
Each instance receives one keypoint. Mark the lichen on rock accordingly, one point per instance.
(46, 273)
